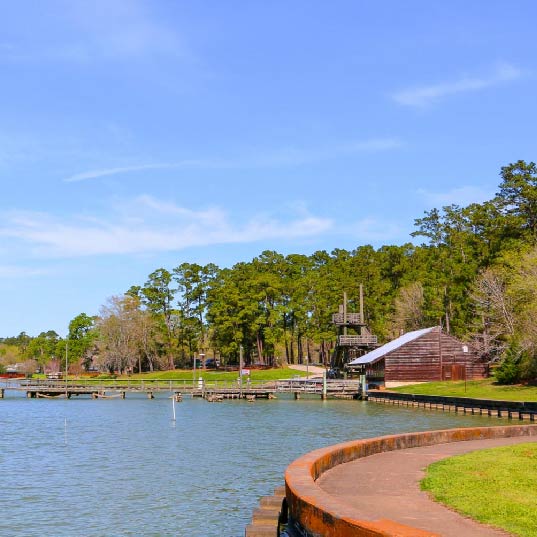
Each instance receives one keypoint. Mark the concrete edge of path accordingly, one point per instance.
(312, 509)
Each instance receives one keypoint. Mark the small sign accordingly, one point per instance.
(245, 371)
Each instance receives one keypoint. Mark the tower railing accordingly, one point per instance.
(357, 340)
(352, 318)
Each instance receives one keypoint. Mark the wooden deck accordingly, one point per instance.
(347, 389)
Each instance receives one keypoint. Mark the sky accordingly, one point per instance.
(140, 134)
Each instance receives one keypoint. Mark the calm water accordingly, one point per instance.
(123, 467)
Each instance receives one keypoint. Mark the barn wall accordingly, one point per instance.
(419, 360)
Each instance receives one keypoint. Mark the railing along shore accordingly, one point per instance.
(490, 407)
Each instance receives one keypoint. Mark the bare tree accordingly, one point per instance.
(148, 336)
(118, 328)
(524, 293)
(409, 302)
(495, 313)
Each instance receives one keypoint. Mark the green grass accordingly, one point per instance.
(212, 375)
(478, 389)
(494, 486)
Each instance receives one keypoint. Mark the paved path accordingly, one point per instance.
(313, 370)
(387, 486)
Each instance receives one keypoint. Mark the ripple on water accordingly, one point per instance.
(122, 467)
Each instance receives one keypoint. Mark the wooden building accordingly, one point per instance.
(421, 356)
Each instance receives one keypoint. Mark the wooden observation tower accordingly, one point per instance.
(354, 337)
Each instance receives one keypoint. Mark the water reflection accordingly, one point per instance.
(123, 467)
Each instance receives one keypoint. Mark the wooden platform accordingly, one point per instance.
(43, 391)
(342, 389)
(232, 393)
(267, 518)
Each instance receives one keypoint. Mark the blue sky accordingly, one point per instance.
(143, 134)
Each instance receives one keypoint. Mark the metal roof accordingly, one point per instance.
(377, 354)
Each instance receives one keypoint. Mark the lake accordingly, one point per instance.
(84, 467)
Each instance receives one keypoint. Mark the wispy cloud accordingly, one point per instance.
(147, 224)
(289, 156)
(80, 32)
(373, 230)
(104, 172)
(426, 95)
(121, 29)
(18, 271)
(464, 195)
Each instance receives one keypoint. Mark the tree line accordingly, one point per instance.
(475, 273)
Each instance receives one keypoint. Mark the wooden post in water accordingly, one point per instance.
(363, 383)
(323, 395)
(1, 393)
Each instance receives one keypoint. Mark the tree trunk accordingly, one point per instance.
(260, 349)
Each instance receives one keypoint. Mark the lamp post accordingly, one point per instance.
(240, 371)
(66, 364)
(202, 366)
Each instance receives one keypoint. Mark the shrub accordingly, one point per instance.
(509, 371)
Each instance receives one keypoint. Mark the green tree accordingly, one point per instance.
(518, 197)
(193, 283)
(82, 336)
(158, 297)
(509, 371)
(42, 348)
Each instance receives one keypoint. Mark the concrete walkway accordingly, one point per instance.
(314, 371)
(386, 486)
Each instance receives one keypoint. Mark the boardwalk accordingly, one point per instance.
(214, 391)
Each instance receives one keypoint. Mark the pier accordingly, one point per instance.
(212, 392)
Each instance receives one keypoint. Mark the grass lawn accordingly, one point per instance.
(495, 486)
(212, 375)
(479, 389)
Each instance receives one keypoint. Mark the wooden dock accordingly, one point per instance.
(213, 392)
(249, 394)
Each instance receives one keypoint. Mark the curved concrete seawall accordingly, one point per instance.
(316, 513)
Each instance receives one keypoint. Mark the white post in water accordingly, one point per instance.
(173, 405)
